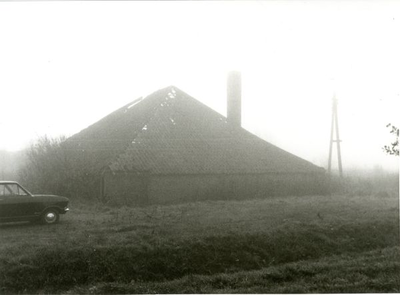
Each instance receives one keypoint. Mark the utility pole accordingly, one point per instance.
(335, 126)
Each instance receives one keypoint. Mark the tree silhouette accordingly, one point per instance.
(53, 169)
(393, 148)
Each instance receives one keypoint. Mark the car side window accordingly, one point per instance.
(11, 190)
(21, 192)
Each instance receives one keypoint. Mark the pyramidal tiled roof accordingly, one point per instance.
(169, 132)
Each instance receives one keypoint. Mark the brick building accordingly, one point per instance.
(170, 148)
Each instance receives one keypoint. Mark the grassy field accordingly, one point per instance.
(324, 244)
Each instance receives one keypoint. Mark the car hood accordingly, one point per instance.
(51, 198)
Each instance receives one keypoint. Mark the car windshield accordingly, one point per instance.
(11, 189)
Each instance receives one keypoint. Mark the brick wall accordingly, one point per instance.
(125, 189)
(133, 189)
(176, 189)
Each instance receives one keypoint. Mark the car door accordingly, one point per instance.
(3, 211)
(6, 210)
(16, 203)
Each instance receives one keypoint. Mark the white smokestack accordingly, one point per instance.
(234, 101)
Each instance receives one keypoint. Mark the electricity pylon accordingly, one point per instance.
(335, 125)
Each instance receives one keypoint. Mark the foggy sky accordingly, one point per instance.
(65, 65)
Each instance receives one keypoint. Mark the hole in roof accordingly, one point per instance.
(144, 127)
(172, 121)
(135, 102)
(165, 103)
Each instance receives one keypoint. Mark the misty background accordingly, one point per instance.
(65, 65)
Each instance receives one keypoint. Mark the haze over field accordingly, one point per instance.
(65, 65)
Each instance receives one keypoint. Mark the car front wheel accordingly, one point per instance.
(50, 216)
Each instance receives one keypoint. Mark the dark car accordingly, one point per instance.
(18, 204)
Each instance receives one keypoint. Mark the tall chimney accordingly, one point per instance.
(234, 103)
